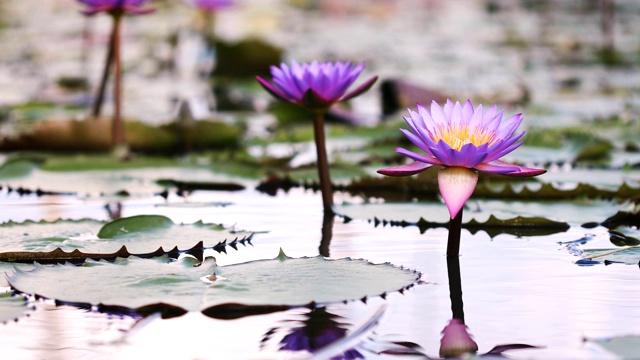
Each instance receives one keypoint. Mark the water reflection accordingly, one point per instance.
(327, 233)
(314, 332)
(456, 340)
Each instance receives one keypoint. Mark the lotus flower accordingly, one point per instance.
(211, 5)
(456, 340)
(316, 86)
(462, 140)
(115, 6)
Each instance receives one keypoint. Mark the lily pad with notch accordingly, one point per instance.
(173, 288)
(142, 235)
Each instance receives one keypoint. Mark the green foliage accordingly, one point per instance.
(245, 59)
(598, 150)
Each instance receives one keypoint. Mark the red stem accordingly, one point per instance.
(117, 126)
(97, 104)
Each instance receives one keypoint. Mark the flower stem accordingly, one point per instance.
(97, 104)
(453, 243)
(323, 164)
(117, 126)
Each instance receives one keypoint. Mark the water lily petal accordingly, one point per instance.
(418, 157)
(456, 186)
(417, 141)
(272, 89)
(522, 171)
(360, 89)
(405, 170)
(497, 167)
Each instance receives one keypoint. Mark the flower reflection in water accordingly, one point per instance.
(456, 340)
(315, 332)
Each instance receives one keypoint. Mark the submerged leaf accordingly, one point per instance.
(252, 287)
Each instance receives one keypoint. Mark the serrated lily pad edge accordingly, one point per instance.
(220, 311)
(58, 256)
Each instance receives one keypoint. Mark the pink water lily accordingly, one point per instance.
(317, 85)
(135, 7)
(462, 140)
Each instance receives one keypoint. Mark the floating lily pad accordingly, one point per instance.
(141, 181)
(489, 215)
(145, 235)
(19, 167)
(263, 285)
(425, 188)
(12, 307)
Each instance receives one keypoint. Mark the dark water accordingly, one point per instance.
(515, 290)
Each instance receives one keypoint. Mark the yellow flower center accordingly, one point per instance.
(457, 136)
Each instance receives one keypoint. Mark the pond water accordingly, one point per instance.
(528, 289)
(525, 290)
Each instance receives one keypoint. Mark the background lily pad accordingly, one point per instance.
(136, 283)
(575, 213)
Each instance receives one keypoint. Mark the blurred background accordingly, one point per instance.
(566, 62)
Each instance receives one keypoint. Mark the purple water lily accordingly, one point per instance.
(211, 5)
(462, 139)
(135, 7)
(316, 86)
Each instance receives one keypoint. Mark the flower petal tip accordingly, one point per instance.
(405, 170)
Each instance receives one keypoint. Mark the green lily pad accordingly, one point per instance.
(140, 223)
(19, 167)
(12, 307)
(275, 284)
(138, 235)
